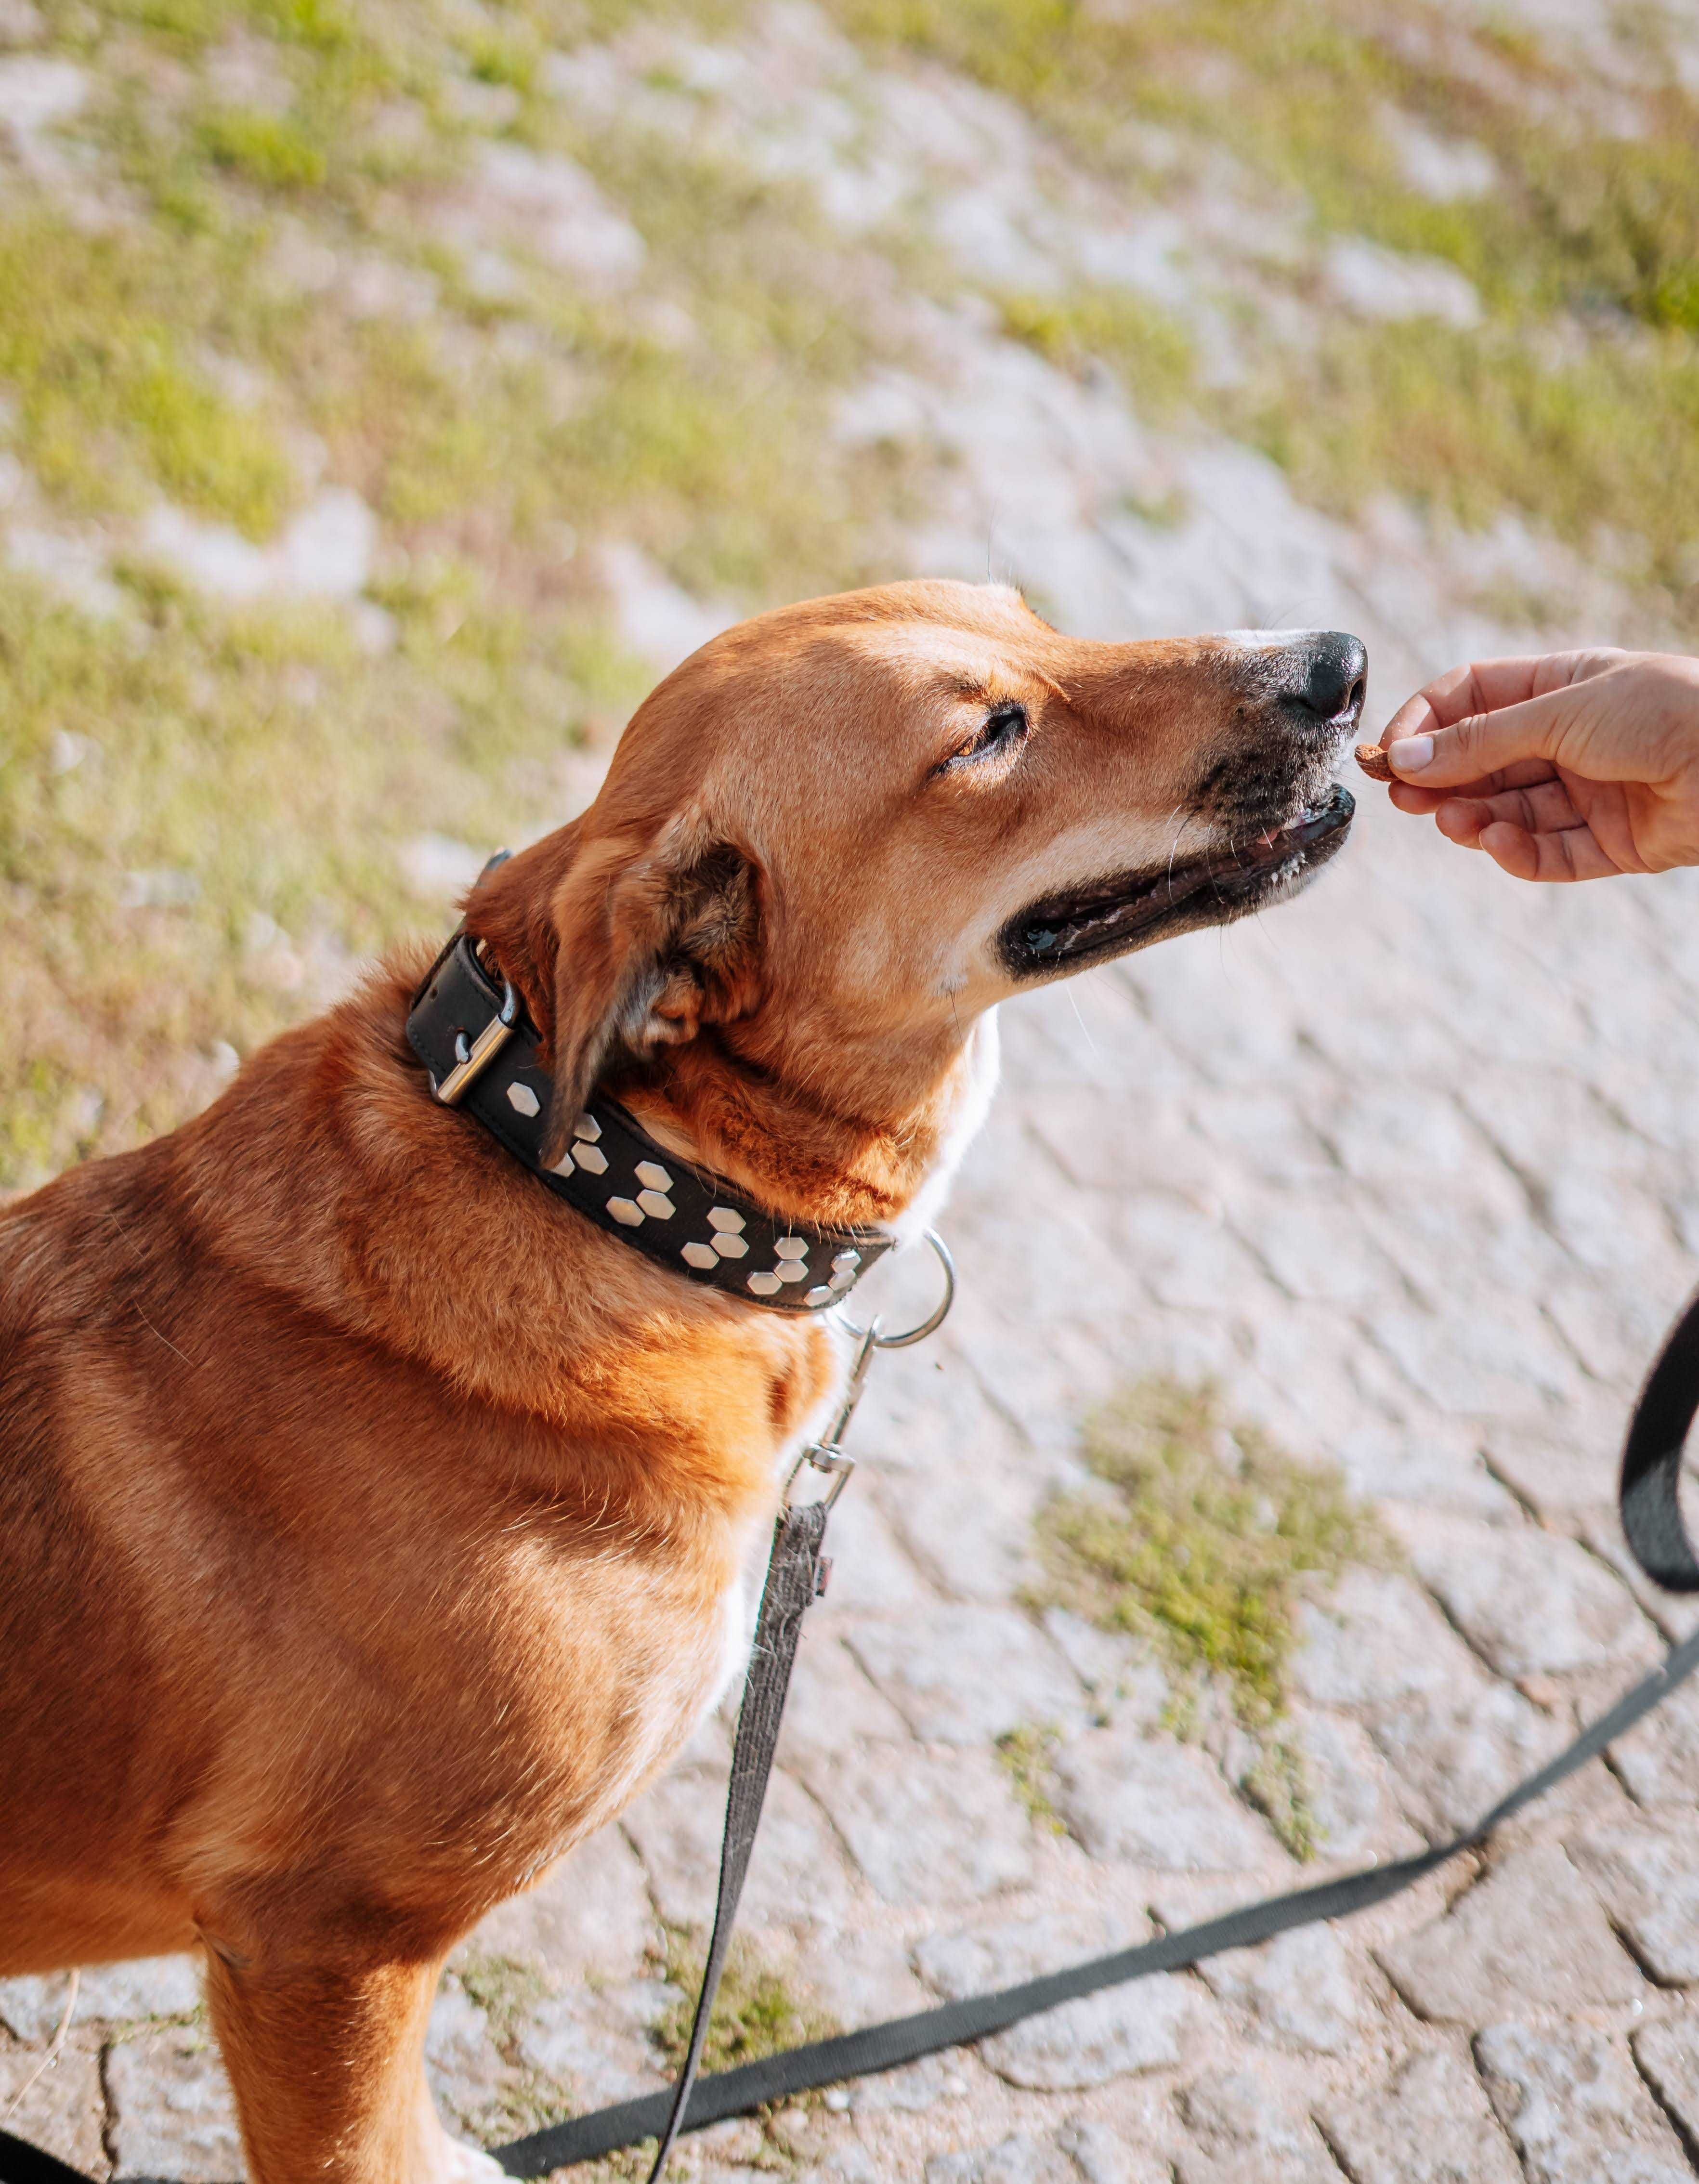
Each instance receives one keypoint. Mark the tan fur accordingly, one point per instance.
(367, 1518)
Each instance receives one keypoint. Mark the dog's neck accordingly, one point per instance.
(824, 1117)
(883, 1159)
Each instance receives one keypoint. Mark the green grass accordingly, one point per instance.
(1294, 87)
(110, 400)
(1468, 423)
(1201, 1539)
(1196, 1539)
(249, 776)
(270, 771)
(1148, 347)
(1027, 1757)
(271, 149)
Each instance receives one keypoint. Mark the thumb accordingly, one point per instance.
(1480, 745)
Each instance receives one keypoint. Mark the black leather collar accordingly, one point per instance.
(481, 1053)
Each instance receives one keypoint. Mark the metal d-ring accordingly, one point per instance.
(875, 1336)
(826, 1455)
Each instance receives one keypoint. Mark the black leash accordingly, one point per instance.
(793, 1580)
(1651, 1518)
(906, 2039)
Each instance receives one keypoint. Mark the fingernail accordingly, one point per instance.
(1410, 754)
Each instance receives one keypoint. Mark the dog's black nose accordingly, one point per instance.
(1327, 673)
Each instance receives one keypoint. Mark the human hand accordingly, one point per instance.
(1572, 766)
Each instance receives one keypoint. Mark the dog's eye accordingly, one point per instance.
(1004, 728)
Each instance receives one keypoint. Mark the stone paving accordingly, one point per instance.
(1413, 1169)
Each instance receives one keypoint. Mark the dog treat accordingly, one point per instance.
(1373, 761)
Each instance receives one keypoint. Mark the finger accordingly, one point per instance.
(1481, 747)
(1555, 859)
(1544, 810)
(1460, 819)
(1487, 686)
(1407, 796)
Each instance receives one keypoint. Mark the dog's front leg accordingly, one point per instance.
(326, 2062)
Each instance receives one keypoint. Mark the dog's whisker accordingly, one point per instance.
(1080, 1019)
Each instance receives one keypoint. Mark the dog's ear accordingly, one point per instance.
(652, 938)
(621, 943)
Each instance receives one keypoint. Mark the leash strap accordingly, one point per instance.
(793, 1580)
(20, 2162)
(907, 2039)
(1649, 1492)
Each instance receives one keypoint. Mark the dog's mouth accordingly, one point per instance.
(1089, 924)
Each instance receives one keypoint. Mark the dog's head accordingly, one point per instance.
(841, 831)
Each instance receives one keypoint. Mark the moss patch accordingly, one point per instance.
(757, 2012)
(1197, 1538)
(505, 1988)
(1278, 1784)
(1027, 1755)
(1201, 1540)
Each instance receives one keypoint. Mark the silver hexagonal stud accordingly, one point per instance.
(654, 1204)
(846, 1262)
(563, 1166)
(588, 1129)
(791, 1270)
(819, 1296)
(723, 1218)
(700, 1255)
(792, 1247)
(523, 1100)
(843, 1278)
(590, 1158)
(729, 1246)
(653, 1177)
(625, 1213)
(764, 1284)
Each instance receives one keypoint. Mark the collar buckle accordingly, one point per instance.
(472, 1057)
(469, 1029)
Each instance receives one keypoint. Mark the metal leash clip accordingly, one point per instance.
(832, 1462)
(827, 1455)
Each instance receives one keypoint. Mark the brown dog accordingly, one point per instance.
(371, 1523)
